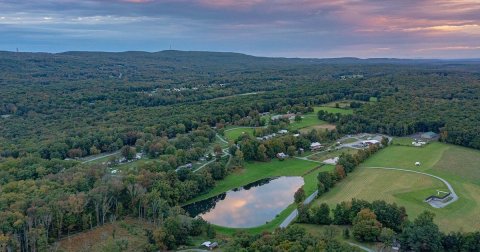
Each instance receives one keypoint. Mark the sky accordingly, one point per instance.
(279, 28)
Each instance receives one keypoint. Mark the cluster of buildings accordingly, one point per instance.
(280, 132)
(289, 116)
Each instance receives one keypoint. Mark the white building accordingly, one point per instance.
(315, 146)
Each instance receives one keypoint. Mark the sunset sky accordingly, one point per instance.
(287, 28)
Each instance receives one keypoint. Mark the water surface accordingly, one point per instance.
(249, 206)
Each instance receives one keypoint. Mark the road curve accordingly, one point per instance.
(294, 214)
(450, 187)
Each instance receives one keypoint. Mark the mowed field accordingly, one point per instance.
(233, 134)
(458, 165)
(308, 120)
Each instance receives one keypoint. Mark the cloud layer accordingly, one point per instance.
(292, 28)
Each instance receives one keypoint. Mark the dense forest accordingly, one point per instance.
(170, 106)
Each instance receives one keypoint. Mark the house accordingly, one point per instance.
(417, 163)
(370, 142)
(429, 135)
(315, 146)
(296, 135)
(281, 155)
(210, 245)
(283, 131)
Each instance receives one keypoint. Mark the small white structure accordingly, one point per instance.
(315, 146)
(418, 143)
(331, 161)
(281, 155)
(283, 131)
(417, 163)
(370, 142)
(296, 135)
(210, 245)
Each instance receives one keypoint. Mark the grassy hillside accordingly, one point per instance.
(455, 164)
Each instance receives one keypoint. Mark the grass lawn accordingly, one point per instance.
(405, 157)
(406, 189)
(458, 165)
(334, 110)
(405, 141)
(373, 99)
(237, 132)
(308, 120)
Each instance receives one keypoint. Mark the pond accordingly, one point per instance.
(249, 206)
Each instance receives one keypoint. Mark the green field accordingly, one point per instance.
(234, 133)
(373, 99)
(308, 120)
(334, 110)
(458, 165)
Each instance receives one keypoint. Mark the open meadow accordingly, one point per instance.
(234, 133)
(458, 165)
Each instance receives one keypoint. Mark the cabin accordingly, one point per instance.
(315, 146)
(417, 163)
(296, 135)
(283, 131)
(281, 155)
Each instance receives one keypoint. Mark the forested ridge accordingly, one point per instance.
(169, 106)
(54, 98)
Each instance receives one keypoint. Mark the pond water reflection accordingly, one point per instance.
(249, 206)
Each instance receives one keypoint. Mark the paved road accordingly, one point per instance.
(225, 153)
(221, 139)
(436, 204)
(101, 156)
(294, 214)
